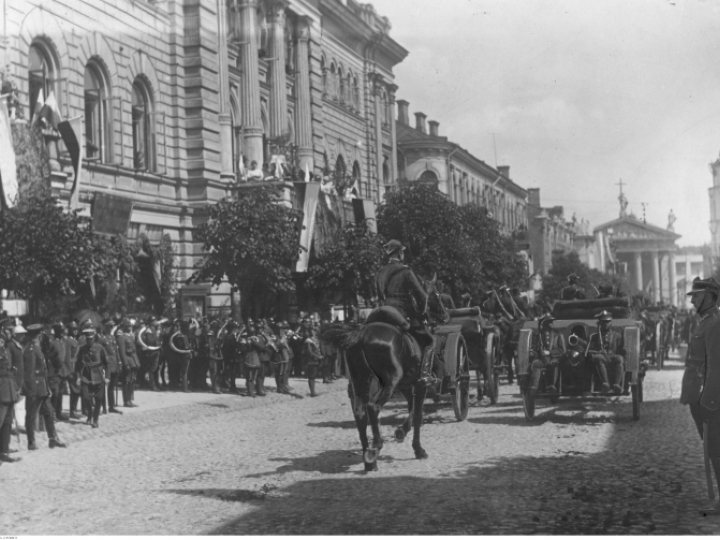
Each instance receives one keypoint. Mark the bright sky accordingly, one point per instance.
(579, 94)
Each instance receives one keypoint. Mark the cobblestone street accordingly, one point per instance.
(204, 464)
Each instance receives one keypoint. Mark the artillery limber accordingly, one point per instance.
(575, 320)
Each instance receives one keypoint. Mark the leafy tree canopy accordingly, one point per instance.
(251, 240)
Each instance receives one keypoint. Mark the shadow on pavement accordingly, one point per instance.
(647, 478)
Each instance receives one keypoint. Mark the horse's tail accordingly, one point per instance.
(343, 335)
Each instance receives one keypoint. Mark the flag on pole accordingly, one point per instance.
(50, 111)
(39, 102)
(70, 131)
(8, 171)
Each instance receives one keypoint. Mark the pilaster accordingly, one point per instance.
(250, 83)
(303, 107)
(226, 164)
(393, 132)
(278, 89)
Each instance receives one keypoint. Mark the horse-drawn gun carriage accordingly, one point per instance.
(575, 321)
(482, 341)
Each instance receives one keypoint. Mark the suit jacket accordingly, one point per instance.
(127, 351)
(35, 380)
(8, 386)
(701, 381)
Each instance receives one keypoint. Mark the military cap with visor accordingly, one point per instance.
(393, 246)
(604, 316)
(702, 285)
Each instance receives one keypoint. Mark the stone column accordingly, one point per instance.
(226, 164)
(393, 131)
(303, 114)
(673, 279)
(377, 94)
(638, 271)
(250, 83)
(278, 84)
(656, 275)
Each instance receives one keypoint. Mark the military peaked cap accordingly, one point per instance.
(87, 327)
(545, 319)
(35, 328)
(393, 246)
(701, 285)
(572, 277)
(604, 315)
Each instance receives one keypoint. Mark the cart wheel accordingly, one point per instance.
(636, 400)
(554, 399)
(461, 395)
(491, 383)
(529, 403)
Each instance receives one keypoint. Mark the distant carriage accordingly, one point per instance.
(576, 321)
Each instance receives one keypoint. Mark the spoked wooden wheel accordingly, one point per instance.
(461, 393)
(492, 385)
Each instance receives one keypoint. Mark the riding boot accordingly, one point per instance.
(279, 384)
(426, 374)
(261, 386)
(311, 384)
(250, 388)
(286, 381)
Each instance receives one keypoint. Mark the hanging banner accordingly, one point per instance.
(71, 133)
(8, 170)
(111, 214)
(312, 191)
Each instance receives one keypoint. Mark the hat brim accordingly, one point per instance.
(698, 291)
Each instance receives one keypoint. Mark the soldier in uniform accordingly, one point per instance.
(281, 358)
(605, 350)
(312, 358)
(210, 349)
(250, 346)
(572, 291)
(701, 380)
(9, 396)
(114, 366)
(445, 298)
(14, 341)
(466, 299)
(90, 370)
(546, 351)
(128, 360)
(398, 287)
(181, 353)
(58, 373)
(37, 390)
(265, 347)
(605, 291)
(71, 349)
(229, 348)
(149, 353)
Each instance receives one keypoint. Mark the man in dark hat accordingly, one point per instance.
(701, 380)
(37, 391)
(128, 359)
(9, 396)
(605, 350)
(90, 369)
(572, 291)
(399, 287)
(114, 366)
(546, 350)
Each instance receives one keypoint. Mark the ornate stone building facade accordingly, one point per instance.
(175, 93)
(549, 232)
(425, 156)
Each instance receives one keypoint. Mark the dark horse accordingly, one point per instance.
(381, 357)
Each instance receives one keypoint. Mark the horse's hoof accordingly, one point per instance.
(378, 444)
(421, 454)
(400, 434)
(370, 456)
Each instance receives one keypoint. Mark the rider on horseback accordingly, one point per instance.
(399, 287)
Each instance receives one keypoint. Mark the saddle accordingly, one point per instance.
(388, 315)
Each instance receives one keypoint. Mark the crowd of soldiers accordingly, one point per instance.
(93, 362)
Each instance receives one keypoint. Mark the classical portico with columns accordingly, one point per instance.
(645, 252)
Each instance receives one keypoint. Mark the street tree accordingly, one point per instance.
(348, 267)
(252, 241)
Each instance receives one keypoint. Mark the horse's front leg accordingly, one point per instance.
(402, 431)
(418, 399)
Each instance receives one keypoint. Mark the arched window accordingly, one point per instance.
(356, 93)
(97, 126)
(340, 168)
(332, 91)
(324, 71)
(349, 99)
(42, 74)
(428, 177)
(142, 126)
(357, 179)
(341, 84)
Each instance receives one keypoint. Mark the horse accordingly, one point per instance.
(382, 357)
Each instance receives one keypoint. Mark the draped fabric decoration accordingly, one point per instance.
(312, 192)
(8, 169)
(71, 133)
